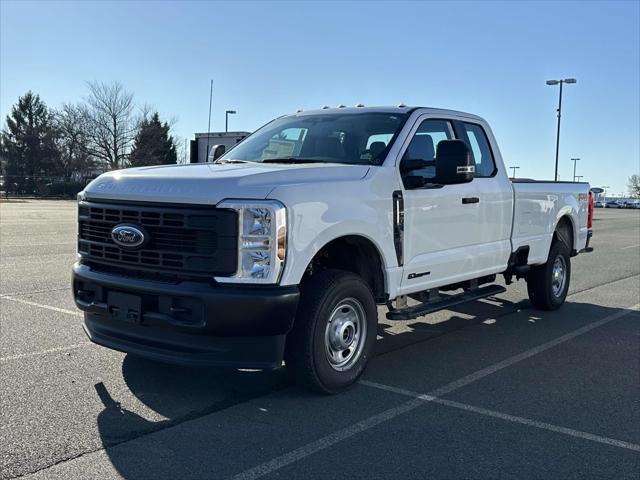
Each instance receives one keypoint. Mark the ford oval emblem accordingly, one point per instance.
(128, 236)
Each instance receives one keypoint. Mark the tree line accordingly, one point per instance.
(43, 150)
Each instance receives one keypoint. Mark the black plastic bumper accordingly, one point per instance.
(190, 322)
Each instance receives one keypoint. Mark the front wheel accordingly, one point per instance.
(548, 284)
(334, 332)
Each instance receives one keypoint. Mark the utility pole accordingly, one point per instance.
(514, 171)
(559, 82)
(578, 177)
(575, 162)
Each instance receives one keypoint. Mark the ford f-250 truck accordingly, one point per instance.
(282, 248)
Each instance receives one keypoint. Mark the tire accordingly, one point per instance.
(546, 290)
(320, 357)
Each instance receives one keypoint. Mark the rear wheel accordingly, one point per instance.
(334, 333)
(548, 284)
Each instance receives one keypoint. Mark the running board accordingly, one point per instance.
(425, 308)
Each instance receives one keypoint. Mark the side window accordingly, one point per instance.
(425, 142)
(485, 165)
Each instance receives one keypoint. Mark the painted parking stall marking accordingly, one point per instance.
(420, 399)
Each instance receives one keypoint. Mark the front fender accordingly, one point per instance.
(320, 213)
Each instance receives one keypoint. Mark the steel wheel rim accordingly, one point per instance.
(345, 334)
(558, 276)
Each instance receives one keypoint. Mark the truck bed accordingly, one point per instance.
(538, 205)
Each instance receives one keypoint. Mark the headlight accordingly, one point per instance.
(262, 240)
(80, 196)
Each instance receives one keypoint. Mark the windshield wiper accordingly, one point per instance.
(231, 161)
(291, 160)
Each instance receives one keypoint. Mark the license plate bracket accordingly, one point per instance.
(125, 307)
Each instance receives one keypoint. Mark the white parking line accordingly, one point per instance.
(505, 416)
(336, 437)
(44, 352)
(631, 246)
(76, 313)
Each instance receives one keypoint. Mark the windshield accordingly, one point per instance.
(353, 138)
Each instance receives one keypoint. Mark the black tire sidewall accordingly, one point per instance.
(348, 285)
(557, 250)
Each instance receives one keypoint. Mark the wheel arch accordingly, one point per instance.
(354, 253)
(565, 231)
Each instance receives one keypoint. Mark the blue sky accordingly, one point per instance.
(271, 58)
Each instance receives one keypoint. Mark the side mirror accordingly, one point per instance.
(216, 152)
(411, 182)
(454, 163)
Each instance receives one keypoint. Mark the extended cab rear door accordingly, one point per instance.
(453, 232)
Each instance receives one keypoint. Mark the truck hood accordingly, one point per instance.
(211, 183)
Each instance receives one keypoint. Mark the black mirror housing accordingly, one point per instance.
(216, 152)
(454, 163)
(411, 182)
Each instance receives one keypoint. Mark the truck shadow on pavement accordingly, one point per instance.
(174, 394)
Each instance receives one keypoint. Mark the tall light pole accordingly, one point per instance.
(578, 177)
(604, 187)
(575, 162)
(226, 119)
(514, 171)
(559, 82)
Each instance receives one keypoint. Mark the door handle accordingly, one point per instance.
(466, 200)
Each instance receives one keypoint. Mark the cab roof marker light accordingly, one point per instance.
(402, 105)
(359, 105)
(325, 107)
(299, 110)
(341, 105)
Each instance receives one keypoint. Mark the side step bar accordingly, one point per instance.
(429, 307)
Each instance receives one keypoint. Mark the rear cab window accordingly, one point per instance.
(481, 150)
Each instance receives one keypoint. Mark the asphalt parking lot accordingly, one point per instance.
(492, 389)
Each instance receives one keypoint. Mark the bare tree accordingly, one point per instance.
(73, 139)
(109, 112)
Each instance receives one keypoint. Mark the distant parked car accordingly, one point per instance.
(599, 204)
(614, 204)
(632, 204)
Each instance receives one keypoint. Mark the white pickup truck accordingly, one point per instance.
(282, 248)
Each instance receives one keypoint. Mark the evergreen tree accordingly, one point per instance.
(153, 145)
(28, 146)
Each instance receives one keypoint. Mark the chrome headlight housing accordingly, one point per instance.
(262, 240)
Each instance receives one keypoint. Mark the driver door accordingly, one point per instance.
(442, 224)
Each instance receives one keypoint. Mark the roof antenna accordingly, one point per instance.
(206, 154)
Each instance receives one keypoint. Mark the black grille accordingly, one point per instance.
(200, 241)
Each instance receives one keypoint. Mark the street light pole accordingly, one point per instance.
(226, 119)
(578, 177)
(575, 162)
(604, 187)
(514, 171)
(558, 133)
(560, 82)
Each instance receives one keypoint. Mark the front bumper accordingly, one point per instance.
(191, 323)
